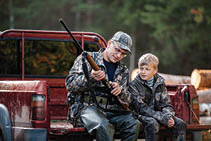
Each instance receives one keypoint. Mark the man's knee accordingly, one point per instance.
(138, 124)
(134, 127)
(93, 119)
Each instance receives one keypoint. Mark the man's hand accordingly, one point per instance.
(98, 75)
(116, 88)
(171, 122)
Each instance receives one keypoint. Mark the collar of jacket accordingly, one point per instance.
(158, 80)
(98, 58)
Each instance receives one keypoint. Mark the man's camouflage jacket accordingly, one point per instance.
(76, 82)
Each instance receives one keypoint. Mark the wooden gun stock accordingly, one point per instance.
(94, 65)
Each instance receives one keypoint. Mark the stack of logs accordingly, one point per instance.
(201, 79)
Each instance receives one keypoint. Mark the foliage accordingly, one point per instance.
(181, 35)
(176, 31)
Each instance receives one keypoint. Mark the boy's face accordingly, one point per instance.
(147, 71)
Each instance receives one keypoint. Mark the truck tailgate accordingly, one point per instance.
(198, 127)
(63, 130)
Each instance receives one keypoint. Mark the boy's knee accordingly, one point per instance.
(180, 125)
(152, 125)
(180, 122)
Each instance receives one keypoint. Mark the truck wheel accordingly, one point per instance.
(1, 138)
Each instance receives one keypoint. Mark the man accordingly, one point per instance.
(152, 102)
(96, 107)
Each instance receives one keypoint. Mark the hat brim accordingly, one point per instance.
(122, 46)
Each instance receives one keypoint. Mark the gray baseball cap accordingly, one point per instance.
(123, 40)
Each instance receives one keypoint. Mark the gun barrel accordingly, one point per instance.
(93, 64)
(75, 41)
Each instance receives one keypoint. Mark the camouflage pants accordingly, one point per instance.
(151, 128)
(103, 124)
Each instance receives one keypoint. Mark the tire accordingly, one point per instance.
(1, 138)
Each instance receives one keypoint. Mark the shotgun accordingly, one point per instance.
(93, 65)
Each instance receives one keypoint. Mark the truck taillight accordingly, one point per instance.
(38, 107)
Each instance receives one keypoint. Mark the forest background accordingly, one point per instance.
(177, 31)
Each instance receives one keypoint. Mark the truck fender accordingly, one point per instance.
(5, 123)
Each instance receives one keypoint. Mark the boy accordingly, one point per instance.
(151, 101)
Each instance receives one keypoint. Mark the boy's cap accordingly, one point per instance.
(123, 40)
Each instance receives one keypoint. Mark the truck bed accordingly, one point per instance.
(62, 128)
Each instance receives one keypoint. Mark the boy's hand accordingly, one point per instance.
(171, 122)
(116, 88)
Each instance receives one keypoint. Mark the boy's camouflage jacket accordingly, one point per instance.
(151, 102)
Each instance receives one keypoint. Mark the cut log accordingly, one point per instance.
(169, 78)
(204, 96)
(133, 74)
(201, 79)
(175, 79)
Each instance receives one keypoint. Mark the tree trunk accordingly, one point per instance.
(89, 14)
(201, 79)
(133, 50)
(11, 14)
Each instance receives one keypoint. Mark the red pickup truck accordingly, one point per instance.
(34, 64)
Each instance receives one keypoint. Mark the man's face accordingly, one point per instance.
(147, 71)
(115, 53)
